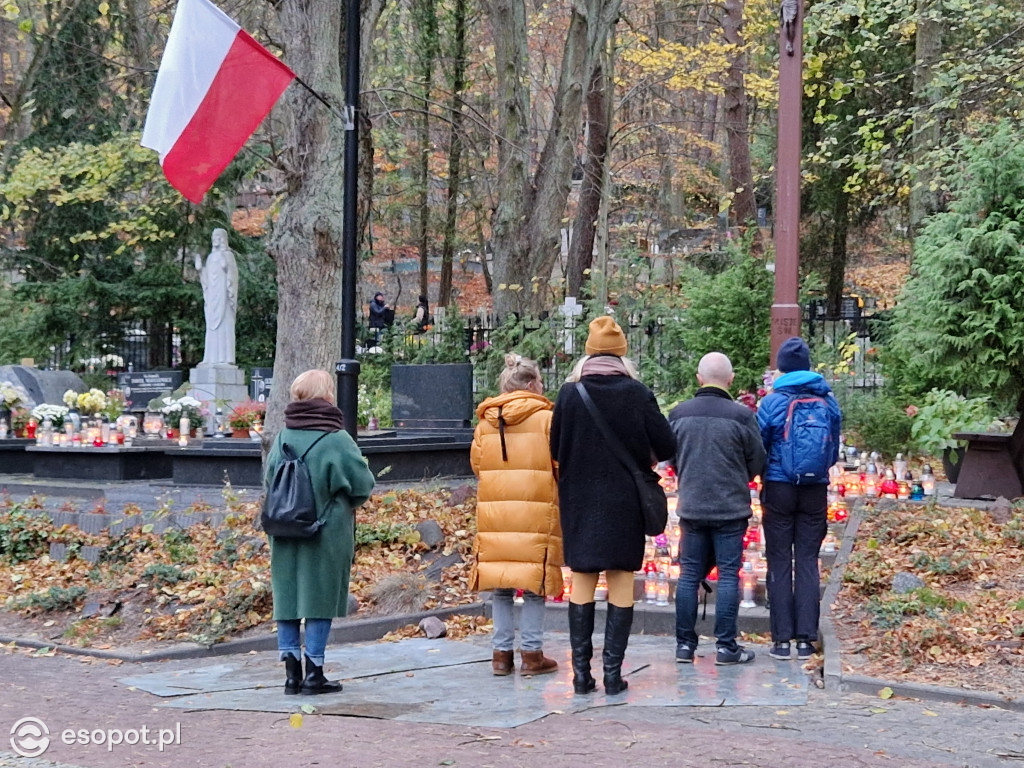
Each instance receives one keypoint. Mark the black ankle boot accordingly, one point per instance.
(293, 675)
(616, 638)
(315, 682)
(581, 638)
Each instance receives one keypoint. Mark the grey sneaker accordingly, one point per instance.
(780, 651)
(684, 653)
(804, 649)
(741, 655)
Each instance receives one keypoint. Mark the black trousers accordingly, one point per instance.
(795, 523)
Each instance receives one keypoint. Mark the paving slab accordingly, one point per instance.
(449, 682)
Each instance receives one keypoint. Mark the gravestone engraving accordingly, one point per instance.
(142, 386)
(260, 383)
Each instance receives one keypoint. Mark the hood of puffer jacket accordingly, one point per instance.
(515, 407)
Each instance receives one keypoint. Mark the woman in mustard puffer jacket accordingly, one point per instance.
(519, 540)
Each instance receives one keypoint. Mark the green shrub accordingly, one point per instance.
(53, 599)
(23, 535)
(385, 533)
(161, 574)
(876, 422)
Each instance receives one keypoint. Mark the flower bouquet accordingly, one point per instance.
(19, 421)
(55, 413)
(245, 417)
(11, 396)
(90, 403)
(174, 409)
(115, 405)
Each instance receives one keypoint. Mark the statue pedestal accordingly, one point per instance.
(220, 385)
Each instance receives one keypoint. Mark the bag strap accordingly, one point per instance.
(613, 442)
(322, 436)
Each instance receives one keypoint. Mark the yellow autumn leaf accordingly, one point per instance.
(295, 721)
(885, 693)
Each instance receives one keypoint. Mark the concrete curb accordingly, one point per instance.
(835, 680)
(351, 631)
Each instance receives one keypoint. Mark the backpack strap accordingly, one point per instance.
(322, 436)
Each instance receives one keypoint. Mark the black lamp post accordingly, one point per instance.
(347, 368)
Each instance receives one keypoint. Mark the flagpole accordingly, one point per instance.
(347, 368)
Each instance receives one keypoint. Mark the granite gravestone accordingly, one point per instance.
(42, 386)
(432, 396)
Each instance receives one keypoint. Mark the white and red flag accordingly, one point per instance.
(214, 87)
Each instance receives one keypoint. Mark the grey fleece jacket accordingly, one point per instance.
(718, 452)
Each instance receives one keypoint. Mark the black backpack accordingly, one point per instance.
(289, 508)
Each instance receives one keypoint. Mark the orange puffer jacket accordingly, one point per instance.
(519, 539)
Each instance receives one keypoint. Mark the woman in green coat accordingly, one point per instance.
(310, 576)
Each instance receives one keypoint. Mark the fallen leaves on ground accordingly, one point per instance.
(205, 583)
(964, 627)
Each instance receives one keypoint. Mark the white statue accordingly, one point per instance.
(220, 300)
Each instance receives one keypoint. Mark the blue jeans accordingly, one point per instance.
(531, 621)
(704, 545)
(288, 642)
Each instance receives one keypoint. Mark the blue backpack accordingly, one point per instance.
(806, 450)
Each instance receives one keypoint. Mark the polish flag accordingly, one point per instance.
(214, 87)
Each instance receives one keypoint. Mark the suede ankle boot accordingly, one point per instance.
(616, 638)
(293, 675)
(536, 663)
(316, 683)
(581, 632)
(501, 663)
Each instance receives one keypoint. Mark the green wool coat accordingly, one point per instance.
(310, 577)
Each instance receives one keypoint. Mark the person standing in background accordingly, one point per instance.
(602, 524)
(718, 453)
(800, 422)
(519, 539)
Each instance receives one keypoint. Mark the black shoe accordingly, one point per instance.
(780, 651)
(617, 625)
(684, 653)
(581, 639)
(293, 675)
(315, 682)
(741, 655)
(804, 649)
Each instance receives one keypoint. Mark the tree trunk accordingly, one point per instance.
(508, 27)
(454, 154)
(737, 129)
(927, 131)
(581, 249)
(306, 239)
(370, 12)
(527, 220)
(837, 262)
(424, 17)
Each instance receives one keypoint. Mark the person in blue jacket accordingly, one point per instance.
(795, 506)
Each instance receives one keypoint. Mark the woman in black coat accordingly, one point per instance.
(602, 524)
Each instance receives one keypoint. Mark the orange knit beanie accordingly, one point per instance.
(606, 338)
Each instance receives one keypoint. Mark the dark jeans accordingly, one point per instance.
(795, 523)
(704, 545)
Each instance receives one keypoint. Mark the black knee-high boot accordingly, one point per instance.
(581, 638)
(616, 638)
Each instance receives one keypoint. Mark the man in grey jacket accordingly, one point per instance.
(718, 452)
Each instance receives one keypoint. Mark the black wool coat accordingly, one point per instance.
(602, 525)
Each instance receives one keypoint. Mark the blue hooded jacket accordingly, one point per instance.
(771, 416)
